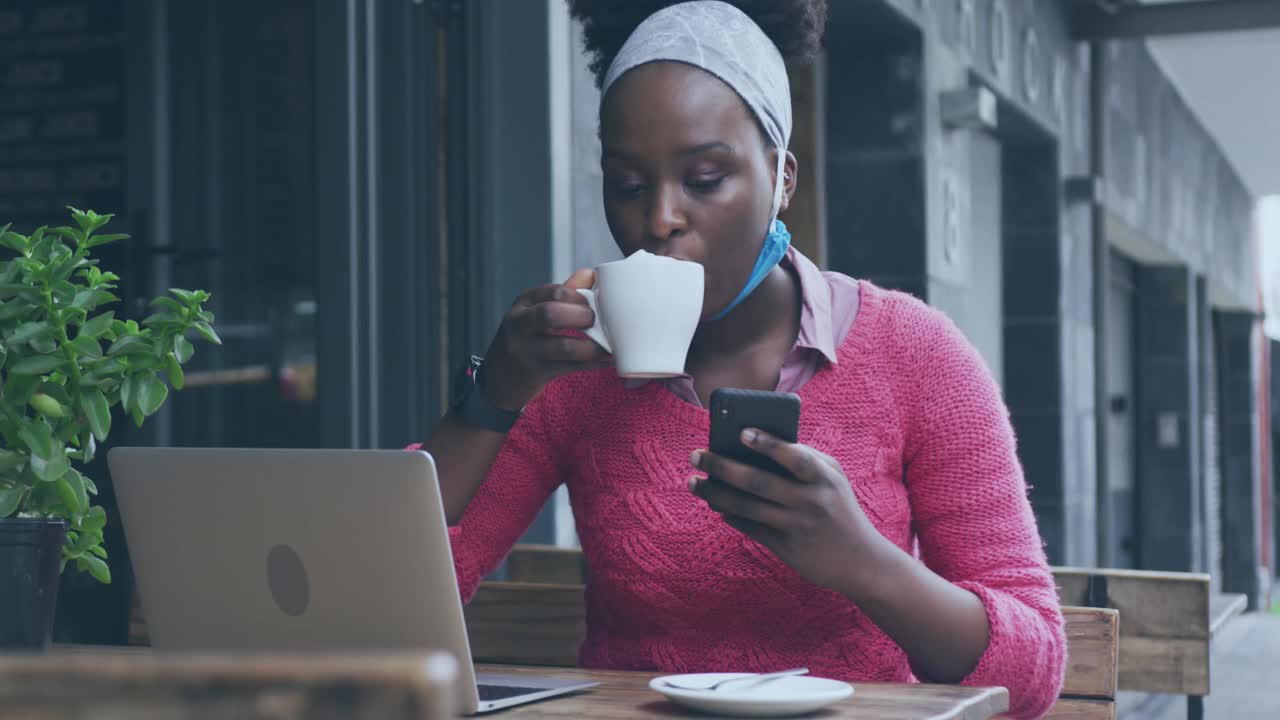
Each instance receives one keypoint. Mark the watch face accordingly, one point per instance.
(473, 408)
(465, 382)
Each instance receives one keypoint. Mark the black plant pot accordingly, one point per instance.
(30, 553)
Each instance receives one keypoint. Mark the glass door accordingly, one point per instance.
(243, 198)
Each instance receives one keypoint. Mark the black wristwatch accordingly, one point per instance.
(472, 406)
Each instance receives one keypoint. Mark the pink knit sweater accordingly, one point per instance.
(918, 425)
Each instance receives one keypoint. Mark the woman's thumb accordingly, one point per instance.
(582, 279)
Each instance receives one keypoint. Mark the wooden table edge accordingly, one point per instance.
(1000, 694)
(994, 699)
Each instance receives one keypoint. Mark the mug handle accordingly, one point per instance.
(596, 331)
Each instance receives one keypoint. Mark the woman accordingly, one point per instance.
(899, 544)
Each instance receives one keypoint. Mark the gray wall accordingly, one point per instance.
(971, 219)
(592, 243)
(1241, 497)
(1169, 181)
(1169, 197)
(969, 284)
(1168, 418)
(1172, 201)
(512, 198)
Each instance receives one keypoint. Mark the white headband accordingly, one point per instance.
(722, 40)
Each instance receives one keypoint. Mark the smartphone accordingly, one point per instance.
(734, 410)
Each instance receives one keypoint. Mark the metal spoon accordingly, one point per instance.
(757, 678)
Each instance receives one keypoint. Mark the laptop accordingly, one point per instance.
(301, 550)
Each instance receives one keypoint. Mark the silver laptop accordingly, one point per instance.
(315, 550)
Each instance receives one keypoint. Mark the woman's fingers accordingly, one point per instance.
(552, 316)
(760, 483)
(581, 280)
(803, 462)
(568, 350)
(550, 293)
(732, 502)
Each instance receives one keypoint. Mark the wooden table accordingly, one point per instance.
(83, 683)
(138, 680)
(627, 695)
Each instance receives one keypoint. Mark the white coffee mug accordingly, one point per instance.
(647, 308)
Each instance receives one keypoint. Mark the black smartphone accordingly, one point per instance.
(734, 410)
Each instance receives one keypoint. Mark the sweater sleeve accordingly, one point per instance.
(527, 470)
(972, 516)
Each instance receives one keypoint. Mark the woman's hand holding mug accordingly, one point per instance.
(648, 310)
(536, 342)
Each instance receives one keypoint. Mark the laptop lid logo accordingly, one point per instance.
(287, 578)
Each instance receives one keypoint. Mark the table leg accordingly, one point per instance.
(1195, 707)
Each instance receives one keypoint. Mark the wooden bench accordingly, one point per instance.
(537, 616)
(546, 564)
(526, 623)
(529, 623)
(1093, 643)
(1169, 620)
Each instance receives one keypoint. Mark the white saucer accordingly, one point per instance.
(784, 696)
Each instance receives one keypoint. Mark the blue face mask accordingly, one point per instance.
(775, 246)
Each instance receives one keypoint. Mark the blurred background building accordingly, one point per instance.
(365, 185)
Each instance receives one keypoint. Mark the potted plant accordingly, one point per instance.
(64, 365)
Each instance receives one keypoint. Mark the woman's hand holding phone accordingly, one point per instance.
(791, 498)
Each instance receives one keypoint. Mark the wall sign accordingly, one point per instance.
(953, 206)
(1000, 38)
(1031, 66)
(1021, 49)
(1058, 92)
(62, 137)
(968, 21)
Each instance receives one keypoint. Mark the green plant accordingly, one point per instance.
(64, 366)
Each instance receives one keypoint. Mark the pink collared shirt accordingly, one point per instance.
(829, 305)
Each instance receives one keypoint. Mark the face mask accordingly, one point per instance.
(775, 246)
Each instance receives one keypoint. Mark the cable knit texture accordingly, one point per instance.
(918, 425)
